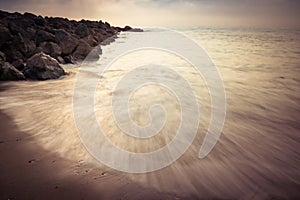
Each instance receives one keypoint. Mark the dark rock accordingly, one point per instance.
(69, 59)
(2, 56)
(126, 28)
(39, 20)
(60, 60)
(108, 40)
(15, 28)
(18, 64)
(94, 55)
(60, 23)
(5, 34)
(107, 25)
(25, 46)
(3, 14)
(38, 50)
(90, 39)
(9, 72)
(30, 47)
(85, 52)
(100, 36)
(27, 33)
(29, 15)
(51, 49)
(82, 30)
(11, 52)
(20, 20)
(43, 36)
(43, 67)
(136, 30)
(66, 41)
(18, 43)
(82, 50)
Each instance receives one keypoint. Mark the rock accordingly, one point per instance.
(18, 43)
(30, 47)
(126, 28)
(108, 40)
(82, 30)
(59, 23)
(39, 20)
(94, 55)
(20, 20)
(27, 32)
(9, 72)
(51, 49)
(43, 67)
(43, 36)
(5, 34)
(3, 14)
(18, 64)
(11, 52)
(69, 59)
(60, 60)
(66, 41)
(91, 40)
(82, 50)
(29, 15)
(136, 30)
(2, 56)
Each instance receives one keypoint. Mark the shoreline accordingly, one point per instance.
(256, 156)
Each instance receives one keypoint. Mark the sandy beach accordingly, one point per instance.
(43, 153)
(43, 157)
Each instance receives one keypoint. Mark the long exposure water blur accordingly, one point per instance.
(256, 157)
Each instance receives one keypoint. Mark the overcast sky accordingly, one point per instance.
(271, 13)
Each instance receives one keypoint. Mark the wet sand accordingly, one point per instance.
(256, 157)
(43, 158)
(30, 172)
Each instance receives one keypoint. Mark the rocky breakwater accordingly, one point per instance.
(33, 47)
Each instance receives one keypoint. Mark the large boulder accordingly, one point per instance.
(82, 30)
(9, 72)
(82, 50)
(30, 47)
(85, 52)
(51, 48)
(43, 67)
(126, 28)
(43, 36)
(18, 64)
(39, 20)
(66, 41)
(11, 52)
(5, 34)
(18, 43)
(91, 40)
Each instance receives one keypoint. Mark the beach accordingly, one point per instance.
(256, 157)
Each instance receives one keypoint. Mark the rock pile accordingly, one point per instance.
(31, 47)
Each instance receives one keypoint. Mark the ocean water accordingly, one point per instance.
(257, 155)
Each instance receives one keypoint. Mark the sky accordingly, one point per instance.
(249, 13)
